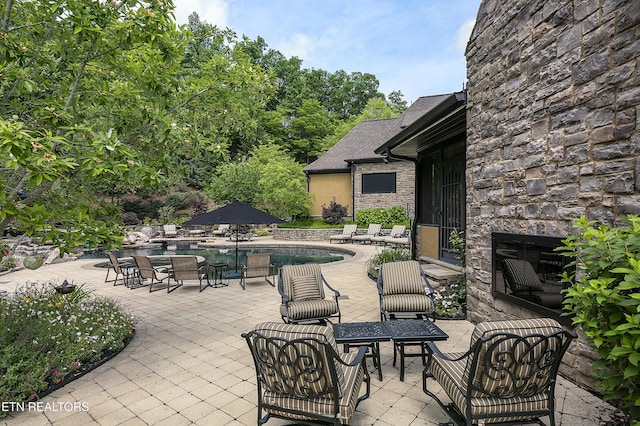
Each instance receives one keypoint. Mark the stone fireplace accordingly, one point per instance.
(553, 133)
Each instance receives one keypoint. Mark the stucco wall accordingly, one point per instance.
(405, 186)
(328, 187)
(553, 130)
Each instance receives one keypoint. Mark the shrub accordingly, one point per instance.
(197, 205)
(47, 336)
(334, 214)
(385, 217)
(130, 218)
(386, 255)
(604, 300)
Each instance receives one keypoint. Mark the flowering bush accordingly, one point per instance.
(47, 336)
(451, 300)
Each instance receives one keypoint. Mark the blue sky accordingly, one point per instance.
(415, 46)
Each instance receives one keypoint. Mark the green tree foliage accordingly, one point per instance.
(604, 301)
(99, 99)
(268, 179)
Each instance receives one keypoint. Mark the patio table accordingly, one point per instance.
(363, 334)
(412, 332)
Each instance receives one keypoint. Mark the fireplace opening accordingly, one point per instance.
(526, 272)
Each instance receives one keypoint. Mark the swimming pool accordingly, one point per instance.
(280, 254)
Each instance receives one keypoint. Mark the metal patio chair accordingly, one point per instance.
(303, 296)
(186, 268)
(507, 375)
(404, 291)
(302, 376)
(258, 266)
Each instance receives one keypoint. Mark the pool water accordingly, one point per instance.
(280, 255)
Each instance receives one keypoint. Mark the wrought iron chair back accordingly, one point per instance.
(301, 376)
(507, 375)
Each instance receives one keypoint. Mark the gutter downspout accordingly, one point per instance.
(353, 190)
(414, 222)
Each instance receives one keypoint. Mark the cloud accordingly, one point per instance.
(215, 12)
(299, 44)
(463, 34)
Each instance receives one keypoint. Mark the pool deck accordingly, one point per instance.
(187, 363)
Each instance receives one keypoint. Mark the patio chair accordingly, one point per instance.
(302, 376)
(507, 375)
(258, 266)
(396, 232)
(121, 268)
(404, 291)
(185, 268)
(303, 297)
(372, 231)
(146, 271)
(524, 283)
(222, 231)
(347, 232)
(169, 231)
(403, 239)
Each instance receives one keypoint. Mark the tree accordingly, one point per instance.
(98, 99)
(310, 125)
(269, 179)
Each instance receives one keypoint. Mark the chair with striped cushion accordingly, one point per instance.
(404, 291)
(303, 296)
(301, 376)
(507, 375)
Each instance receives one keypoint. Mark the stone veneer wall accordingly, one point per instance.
(405, 186)
(553, 130)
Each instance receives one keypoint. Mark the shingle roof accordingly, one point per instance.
(359, 144)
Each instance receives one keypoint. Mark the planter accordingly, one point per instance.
(65, 288)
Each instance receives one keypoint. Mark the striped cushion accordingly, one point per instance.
(299, 331)
(450, 375)
(353, 378)
(407, 303)
(317, 308)
(454, 375)
(287, 272)
(402, 277)
(543, 326)
(305, 288)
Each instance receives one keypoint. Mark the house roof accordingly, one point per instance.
(360, 144)
(444, 119)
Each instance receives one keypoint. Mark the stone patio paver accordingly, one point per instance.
(187, 363)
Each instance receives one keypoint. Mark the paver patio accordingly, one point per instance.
(187, 363)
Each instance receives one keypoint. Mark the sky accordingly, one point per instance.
(415, 46)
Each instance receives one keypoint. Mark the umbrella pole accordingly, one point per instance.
(237, 236)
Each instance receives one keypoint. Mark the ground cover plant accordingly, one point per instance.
(604, 301)
(47, 336)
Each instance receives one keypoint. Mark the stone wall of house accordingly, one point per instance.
(405, 186)
(553, 130)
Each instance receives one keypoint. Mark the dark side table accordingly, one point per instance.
(412, 332)
(363, 334)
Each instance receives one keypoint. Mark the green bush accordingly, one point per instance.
(386, 217)
(47, 336)
(604, 300)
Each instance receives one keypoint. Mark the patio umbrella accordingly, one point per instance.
(236, 213)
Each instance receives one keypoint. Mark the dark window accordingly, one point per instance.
(377, 183)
